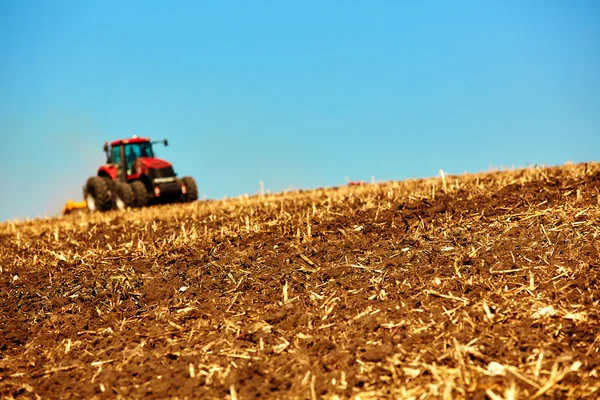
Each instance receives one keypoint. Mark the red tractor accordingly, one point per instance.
(134, 177)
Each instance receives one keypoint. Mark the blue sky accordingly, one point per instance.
(300, 94)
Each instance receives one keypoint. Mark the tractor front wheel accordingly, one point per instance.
(97, 194)
(140, 193)
(191, 190)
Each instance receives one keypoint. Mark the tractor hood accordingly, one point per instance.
(153, 163)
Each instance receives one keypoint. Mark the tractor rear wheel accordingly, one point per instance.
(124, 196)
(97, 194)
(191, 190)
(140, 193)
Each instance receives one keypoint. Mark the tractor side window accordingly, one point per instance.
(116, 155)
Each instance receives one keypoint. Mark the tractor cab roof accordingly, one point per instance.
(133, 139)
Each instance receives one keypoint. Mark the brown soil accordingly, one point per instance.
(477, 286)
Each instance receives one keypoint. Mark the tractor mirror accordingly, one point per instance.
(166, 142)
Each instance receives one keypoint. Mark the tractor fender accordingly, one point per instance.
(110, 171)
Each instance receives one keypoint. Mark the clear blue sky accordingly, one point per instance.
(300, 94)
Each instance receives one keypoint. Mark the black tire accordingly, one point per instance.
(124, 196)
(97, 194)
(191, 190)
(140, 193)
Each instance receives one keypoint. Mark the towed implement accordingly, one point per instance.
(133, 177)
(74, 206)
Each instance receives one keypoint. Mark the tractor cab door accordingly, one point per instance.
(132, 153)
(118, 159)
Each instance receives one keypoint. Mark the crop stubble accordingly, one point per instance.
(477, 286)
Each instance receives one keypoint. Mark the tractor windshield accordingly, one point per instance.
(132, 152)
(135, 150)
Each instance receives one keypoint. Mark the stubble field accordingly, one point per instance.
(476, 286)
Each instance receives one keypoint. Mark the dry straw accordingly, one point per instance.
(469, 286)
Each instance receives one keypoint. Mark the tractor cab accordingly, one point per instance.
(128, 156)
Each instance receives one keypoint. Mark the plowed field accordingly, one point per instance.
(476, 286)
